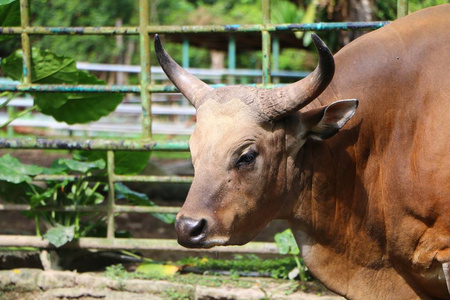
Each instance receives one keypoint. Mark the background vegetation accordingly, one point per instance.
(111, 49)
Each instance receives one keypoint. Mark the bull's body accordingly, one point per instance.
(369, 206)
(377, 218)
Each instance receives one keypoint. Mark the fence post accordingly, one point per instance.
(231, 58)
(185, 59)
(402, 8)
(266, 43)
(144, 42)
(26, 47)
(111, 195)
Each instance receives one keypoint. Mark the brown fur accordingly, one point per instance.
(370, 206)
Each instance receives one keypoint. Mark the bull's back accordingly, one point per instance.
(401, 75)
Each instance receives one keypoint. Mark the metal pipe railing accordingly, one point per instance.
(235, 28)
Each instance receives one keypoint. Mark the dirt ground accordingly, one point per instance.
(34, 284)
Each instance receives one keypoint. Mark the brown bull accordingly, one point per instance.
(369, 206)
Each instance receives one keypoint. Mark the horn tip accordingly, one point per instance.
(158, 45)
(317, 40)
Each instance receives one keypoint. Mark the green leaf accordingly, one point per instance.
(157, 270)
(39, 198)
(125, 162)
(286, 243)
(81, 107)
(308, 17)
(67, 165)
(4, 2)
(131, 162)
(12, 170)
(49, 68)
(9, 16)
(135, 198)
(60, 235)
(46, 67)
(125, 193)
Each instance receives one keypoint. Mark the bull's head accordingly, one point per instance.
(244, 147)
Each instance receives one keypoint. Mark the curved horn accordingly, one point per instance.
(282, 101)
(190, 86)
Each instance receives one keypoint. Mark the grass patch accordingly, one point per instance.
(242, 265)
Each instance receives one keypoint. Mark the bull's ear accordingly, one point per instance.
(324, 122)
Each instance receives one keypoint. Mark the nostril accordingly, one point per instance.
(197, 228)
(191, 232)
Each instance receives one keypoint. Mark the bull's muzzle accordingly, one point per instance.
(191, 233)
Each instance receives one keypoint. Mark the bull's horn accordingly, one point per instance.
(282, 101)
(190, 86)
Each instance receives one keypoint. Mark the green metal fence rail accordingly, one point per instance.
(147, 143)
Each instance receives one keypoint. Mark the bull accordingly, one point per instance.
(368, 202)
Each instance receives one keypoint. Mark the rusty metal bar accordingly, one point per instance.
(110, 229)
(132, 244)
(93, 144)
(266, 43)
(26, 47)
(66, 88)
(90, 208)
(153, 178)
(144, 42)
(61, 88)
(402, 8)
(117, 178)
(238, 28)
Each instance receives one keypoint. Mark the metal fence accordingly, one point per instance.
(146, 143)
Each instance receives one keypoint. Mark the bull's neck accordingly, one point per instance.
(329, 213)
(317, 196)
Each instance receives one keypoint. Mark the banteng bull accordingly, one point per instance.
(369, 206)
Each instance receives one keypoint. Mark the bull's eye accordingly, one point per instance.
(246, 159)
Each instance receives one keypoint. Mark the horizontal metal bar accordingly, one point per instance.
(159, 179)
(63, 88)
(90, 208)
(146, 209)
(133, 244)
(158, 74)
(92, 144)
(39, 30)
(329, 26)
(118, 178)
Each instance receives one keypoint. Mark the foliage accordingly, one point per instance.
(11, 170)
(49, 68)
(60, 235)
(135, 198)
(16, 186)
(287, 245)
(64, 226)
(241, 265)
(9, 16)
(117, 272)
(125, 162)
(146, 270)
(387, 9)
(61, 13)
(155, 270)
